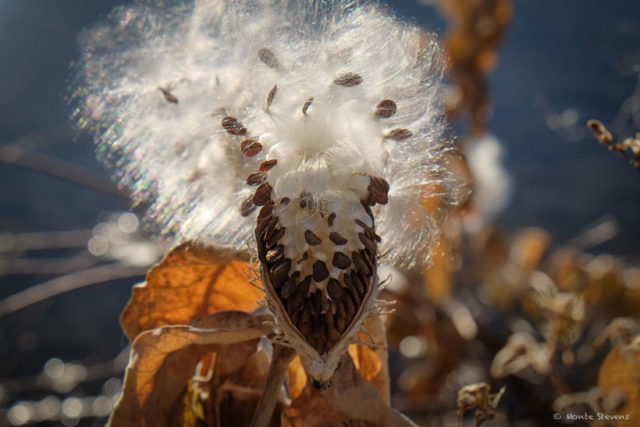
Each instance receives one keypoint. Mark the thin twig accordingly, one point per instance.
(277, 371)
(68, 283)
(16, 156)
(21, 242)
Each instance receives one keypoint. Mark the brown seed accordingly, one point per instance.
(256, 178)
(358, 283)
(333, 334)
(367, 260)
(268, 57)
(363, 225)
(304, 257)
(353, 291)
(275, 238)
(368, 243)
(306, 106)
(288, 288)
(262, 194)
(317, 298)
(168, 95)
(299, 297)
(305, 323)
(266, 226)
(348, 80)
(250, 147)
(337, 238)
(311, 238)
(267, 165)
(233, 126)
(399, 134)
(332, 217)
(334, 289)
(341, 316)
(378, 189)
(280, 271)
(274, 254)
(349, 308)
(247, 207)
(295, 316)
(385, 109)
(265, 219)
(320, 271)
(341, 261)
(272, 95)
(360, 263)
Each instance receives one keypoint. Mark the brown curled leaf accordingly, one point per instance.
(163, 360)
(190, 282)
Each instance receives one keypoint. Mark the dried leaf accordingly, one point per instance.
(356, 398)
(372, 363)
(296, 378)
(163, 360)
(621, 371)
(190, 282)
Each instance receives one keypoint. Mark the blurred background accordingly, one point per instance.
(525, 78)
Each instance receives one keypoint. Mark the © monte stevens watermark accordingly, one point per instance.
(586, 416)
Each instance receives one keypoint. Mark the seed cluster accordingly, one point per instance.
(323, 286)
(319, 264)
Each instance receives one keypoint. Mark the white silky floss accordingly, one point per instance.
(327, 105)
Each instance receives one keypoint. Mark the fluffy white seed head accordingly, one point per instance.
(303, 78)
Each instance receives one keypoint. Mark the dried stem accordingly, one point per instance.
(282, 356)
(16, 156)
(67, 283)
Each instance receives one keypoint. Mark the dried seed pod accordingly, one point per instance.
(311, 238)
(250, 147)
(268, 58)
(399, 134)
(233, 126)
(385, 109)
(267, 165)
(348, 80)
